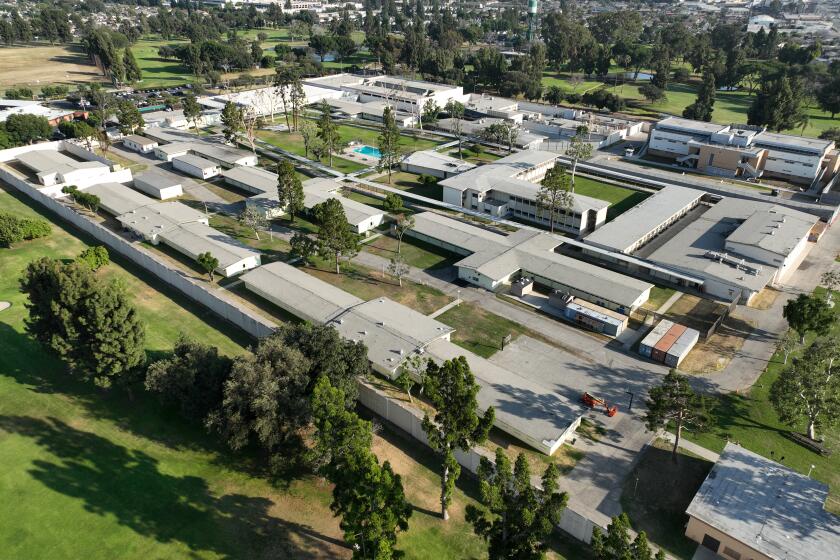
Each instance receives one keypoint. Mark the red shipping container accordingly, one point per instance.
(668, 339)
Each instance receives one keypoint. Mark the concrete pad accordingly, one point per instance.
(4, 305)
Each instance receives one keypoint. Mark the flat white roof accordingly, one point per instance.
(256, 178)
(299, 293)
(225, 154)
(195, 161)
(768, 507)
(140, 140)
(437, 160)
(156, 181)
(773, 230)
(156, 218)
(637, 222)
(195, 238)
(118, 199)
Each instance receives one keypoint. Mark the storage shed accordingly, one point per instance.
(158, 185)
(669, 343)
(140, 143)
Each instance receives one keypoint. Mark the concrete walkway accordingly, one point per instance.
(671, 301)
(691, 447)
(445, 308)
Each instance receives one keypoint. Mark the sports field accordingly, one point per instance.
(37, 65)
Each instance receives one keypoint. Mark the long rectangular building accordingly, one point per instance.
(492, 259)
(646, 220)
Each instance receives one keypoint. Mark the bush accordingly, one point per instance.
(89, 201)
(94, 257)
(14, 229)
(682, 75)
(427, 179)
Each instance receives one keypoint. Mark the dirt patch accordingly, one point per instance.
(565, 458)
(714, 354)
(35, 66)
(695, 312)
(764, 299)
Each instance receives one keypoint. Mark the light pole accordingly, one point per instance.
(809, 470)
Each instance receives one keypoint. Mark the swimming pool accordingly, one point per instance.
(369, 151)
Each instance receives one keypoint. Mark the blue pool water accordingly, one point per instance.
(368, 151)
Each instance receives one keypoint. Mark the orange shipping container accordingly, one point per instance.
(668, 339)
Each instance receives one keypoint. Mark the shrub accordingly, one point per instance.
(14, 229)
(94, 257)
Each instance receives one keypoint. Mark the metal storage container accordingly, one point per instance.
(681, 347)
(647, 344)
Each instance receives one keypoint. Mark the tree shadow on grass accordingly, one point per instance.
(126, 484)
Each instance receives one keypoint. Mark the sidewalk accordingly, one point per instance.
(691, 447)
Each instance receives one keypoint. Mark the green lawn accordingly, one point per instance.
(658, 296)
(158, 72)
(621, 199)
(293, 142)
(409, 182)
(474, 157)
(272, 246)
(751, 421)
(415, 252)
(478, 330)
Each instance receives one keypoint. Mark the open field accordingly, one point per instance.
(750, 420)
(657, 493)
(415, 252)
(409, 182)
(94, 475)
(480, 331)
(367, 284)
(37, 65)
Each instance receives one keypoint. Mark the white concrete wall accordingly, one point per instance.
(671, 142)
(452, 196)
(795, 165)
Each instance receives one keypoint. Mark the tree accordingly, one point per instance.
(321, 44)
(616, 544)
(298, 100)
(111, 336)
(303, 246)
(253, 219)
(579, 149)
(328, 131)
(703, 106)
(25, 129)
(209, 263)
(192, 378)
(652, 93)
(132, 70)
(456, 424)
(283, 84)
(501, 133)
(335, 239)
(555, 194)
(832, 133)
(309, 134)
(788, 343)
(675, 401)
(389, 143)
(88, 323)
(233, 121)
(290, 193)
(129, 117)
(368, 497)
(398, 268)
(778, 105)
(393, 203)
(94, 257)
(517, 518)
(810, 389)
(455, 110)
(403, 224)
(431, 111)
(808, 313)
(192, 112)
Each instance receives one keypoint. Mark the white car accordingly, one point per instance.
(628, 152)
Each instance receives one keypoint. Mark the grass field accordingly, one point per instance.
(409, 182)
(751, 421)
(85, 474)
(620, 198)
(478, 330)
(41, 64)
(415, 252)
